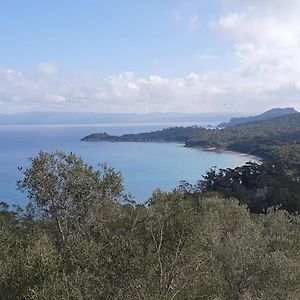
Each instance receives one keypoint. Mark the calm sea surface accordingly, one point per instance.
(144, 166)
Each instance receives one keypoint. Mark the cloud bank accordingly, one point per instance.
(266, 39)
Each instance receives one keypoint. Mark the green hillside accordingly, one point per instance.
(276, 137)
(272, 113)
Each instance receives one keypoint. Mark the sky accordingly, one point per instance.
(133, 56)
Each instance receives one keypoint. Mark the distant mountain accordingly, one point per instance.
(272, 113)
(32, 118)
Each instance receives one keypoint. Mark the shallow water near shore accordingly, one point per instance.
(144, 166)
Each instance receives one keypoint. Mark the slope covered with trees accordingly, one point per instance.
(260, 186)
(272, 113)
(82, 238)
(275, 138)
(233, 235)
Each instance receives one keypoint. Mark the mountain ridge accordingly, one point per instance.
(269, 114)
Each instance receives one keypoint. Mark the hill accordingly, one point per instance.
(277, 137)
(272, 113)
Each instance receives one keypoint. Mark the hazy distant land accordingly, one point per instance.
(39, 118)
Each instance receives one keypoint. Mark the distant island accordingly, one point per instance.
(276, 137)
(65, 118)
(48, 118)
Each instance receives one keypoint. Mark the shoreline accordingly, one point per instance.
(210, 149)
(224, 150)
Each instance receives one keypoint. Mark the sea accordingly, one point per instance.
(144, 166)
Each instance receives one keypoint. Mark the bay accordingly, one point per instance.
(144, 166)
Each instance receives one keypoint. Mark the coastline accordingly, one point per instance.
(255, 158)
(224, 150)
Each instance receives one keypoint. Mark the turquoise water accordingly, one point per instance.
(144, 166)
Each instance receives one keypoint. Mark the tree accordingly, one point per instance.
(64, 189)
(260, 186)
(200, 246)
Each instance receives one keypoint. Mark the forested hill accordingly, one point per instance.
(276, 137)
(272, 113)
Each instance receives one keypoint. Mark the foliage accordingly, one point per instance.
(176, 246)
(63, 189)
(259, 185)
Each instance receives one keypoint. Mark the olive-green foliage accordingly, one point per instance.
(259, 185)
(62, 188)
(173, 247)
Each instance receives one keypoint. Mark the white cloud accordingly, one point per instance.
(48, 68)
(266, 34)
(266, 30)
(262, 7)
(266, 38)
(212, 92)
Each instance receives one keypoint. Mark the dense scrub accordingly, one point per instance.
(81, 238)
(258, 185)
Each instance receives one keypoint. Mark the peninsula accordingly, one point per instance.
(277, 137)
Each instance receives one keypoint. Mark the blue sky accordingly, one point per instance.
(152, 55)
(109, 37)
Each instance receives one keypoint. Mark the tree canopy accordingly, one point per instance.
(175, 246)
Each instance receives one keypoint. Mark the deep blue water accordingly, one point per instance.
(144, 166)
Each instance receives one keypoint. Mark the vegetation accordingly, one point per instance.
(233, 235)
(258, 185)
(82, 238)
(272, 113)
(274, 138)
